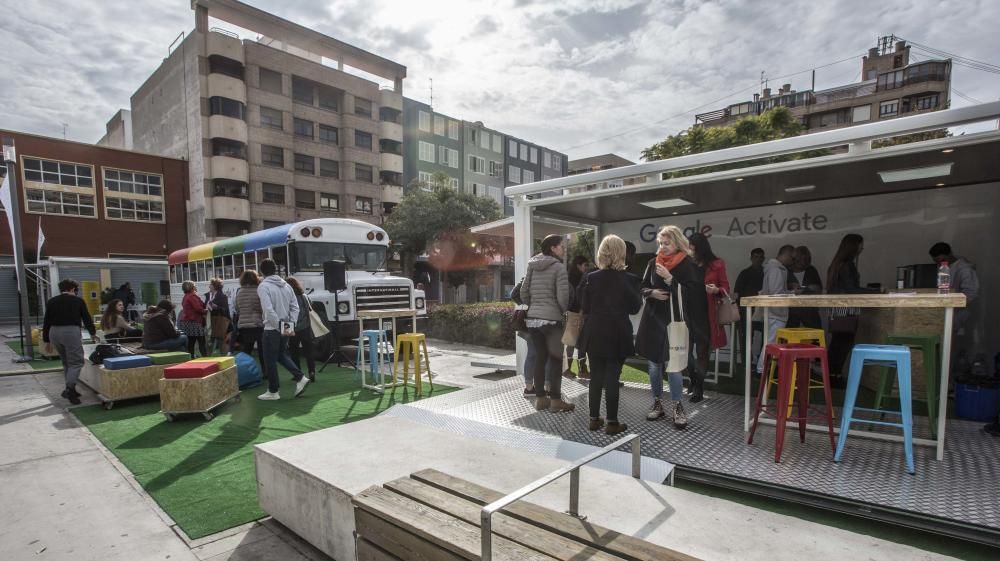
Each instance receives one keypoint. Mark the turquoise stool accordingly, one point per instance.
(883, 355)
(376, 337)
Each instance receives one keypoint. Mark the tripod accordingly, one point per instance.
(337, 356)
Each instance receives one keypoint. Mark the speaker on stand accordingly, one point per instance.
(335, 280)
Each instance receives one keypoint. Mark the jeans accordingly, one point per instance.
(529, 364)
(178, 343)
(303, 339)
(274, 347)
(773, 325)
(67, 341)
(604, 375)
(248, 338)
(656, 382)
(548, 348)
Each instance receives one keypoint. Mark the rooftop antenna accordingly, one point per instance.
(432, 92)
(64, 130)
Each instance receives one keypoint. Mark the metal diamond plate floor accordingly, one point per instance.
(959, 491)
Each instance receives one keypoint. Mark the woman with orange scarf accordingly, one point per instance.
(671, 268)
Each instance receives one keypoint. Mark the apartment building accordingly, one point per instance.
(527, 162)
(433, 144)
(277, 128)
(892, 86)
(484, 161)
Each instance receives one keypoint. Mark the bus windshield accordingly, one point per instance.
(310, 256)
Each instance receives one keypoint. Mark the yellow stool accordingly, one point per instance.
(795, 335)
(412, 343)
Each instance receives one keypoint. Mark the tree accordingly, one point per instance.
(774, 124)
(436, 219)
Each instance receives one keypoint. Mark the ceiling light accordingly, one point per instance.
(799, 189)
(915, 173)
(739, 179)
(675, 212)
(947, 150)
(666, 203)
(940, 185)
(778, 202)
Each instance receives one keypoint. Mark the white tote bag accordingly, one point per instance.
(319, 328)
(678, 338)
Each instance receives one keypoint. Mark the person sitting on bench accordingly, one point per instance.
(159, 333)
(115, 326)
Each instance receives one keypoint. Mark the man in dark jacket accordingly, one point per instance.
(127, 296)
(64, 314)
(749, 283)
(158, 332)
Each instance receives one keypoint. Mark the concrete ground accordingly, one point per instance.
(63, 496)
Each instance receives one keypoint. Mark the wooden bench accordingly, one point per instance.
(432, 516)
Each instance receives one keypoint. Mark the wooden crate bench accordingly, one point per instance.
(432, 516)
(115, 385)
(197, 395)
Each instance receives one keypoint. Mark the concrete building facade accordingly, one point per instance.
(527, 162)
(275, 129)
(892, 86)
(433, 144)
(483, 161)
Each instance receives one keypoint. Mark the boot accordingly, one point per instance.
(656, 411)
(614, 427)
(568, 373)
(542, 403)
(558, 405)
(584, 371)
(993, 428)
(680, 417)
(596, 424)
(697, 387)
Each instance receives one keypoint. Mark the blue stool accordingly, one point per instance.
(883, 355)
(376, 338)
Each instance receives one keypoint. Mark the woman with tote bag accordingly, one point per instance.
(675, 315)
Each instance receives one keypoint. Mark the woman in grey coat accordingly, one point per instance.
(545, 291)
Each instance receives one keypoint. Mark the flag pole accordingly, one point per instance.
(10, 157)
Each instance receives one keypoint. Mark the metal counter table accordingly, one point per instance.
(947, 302)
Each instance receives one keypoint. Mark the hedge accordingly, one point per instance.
(486, 324)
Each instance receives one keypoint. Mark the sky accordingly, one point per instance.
(582, 77)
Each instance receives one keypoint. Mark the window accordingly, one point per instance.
(890, 80)
(363, 205)
(453, 130)
(229, 148)
(448, 157)
(477, 164)
(862, 113)
(426, 152)
(251, 258)
(305, 163)
(473, 135)
(272, 156)
(302, 90)
(546, 159)
(270, 80)
(363, 173)
(218, 64)
(425, 178)
(534, 155)
(58, 173)
(303, 128)
(496, 169)
(363, 140)
(440, 124)
(271, 118)
(273, 193)
(524, 152)
(527, 176)
(453, 183)
(328, 134)
(329, 98)
(329, 168)
(497, 144)
(512, 148)
(363, 107)
(228, 107)
(131, 195)
(424, 120)
(926, 102)
(514, 174)
(329, 202)
(305, 199)
(888, 108)
(484, 141)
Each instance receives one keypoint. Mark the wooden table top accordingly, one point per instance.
(394, 313)
(891, 300)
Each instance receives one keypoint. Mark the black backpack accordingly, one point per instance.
(108, 350)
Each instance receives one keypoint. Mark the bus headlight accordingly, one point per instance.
(343, 307)
(419, 303)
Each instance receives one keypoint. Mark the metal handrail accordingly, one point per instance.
(486, 515)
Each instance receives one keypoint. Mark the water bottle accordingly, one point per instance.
(944, 278)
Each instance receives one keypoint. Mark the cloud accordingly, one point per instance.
(562, 74)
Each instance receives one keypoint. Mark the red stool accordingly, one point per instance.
(789, 356)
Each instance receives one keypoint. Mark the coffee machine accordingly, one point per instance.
(922, 275)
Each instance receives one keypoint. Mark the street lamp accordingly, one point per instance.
(14, 216)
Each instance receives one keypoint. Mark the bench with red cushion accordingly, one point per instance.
(190, 370)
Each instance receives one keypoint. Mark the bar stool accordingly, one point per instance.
(884, 355)
(795, 335)
(408, 346)
(376, 338)
(929, 346)
(788, 357)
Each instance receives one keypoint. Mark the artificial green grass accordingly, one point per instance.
(38, 363)
(202, 472)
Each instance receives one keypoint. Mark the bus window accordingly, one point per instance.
(227, 266)
(185, 272)
(218, 272)
(280, 256)
(237, 265)
(202, 267)
(251, 261)
(262, 254)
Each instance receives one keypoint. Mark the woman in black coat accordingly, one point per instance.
(671, 268)
(609, 296)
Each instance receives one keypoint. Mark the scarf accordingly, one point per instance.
(670, 261)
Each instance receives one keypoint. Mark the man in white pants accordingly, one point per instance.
(775, 282)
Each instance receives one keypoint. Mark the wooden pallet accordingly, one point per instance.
(114, 385)
(197, 395)
(432, 516)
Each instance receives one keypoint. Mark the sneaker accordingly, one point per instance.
(584, 371)
(75, 400)
(542, 403)
(65, 394)
(656, 412)
(680, 417)
(300, 386)
(596, 424)
(614, 427)
(558, 406)
(269, 396)
(993, 428)
(529, 391)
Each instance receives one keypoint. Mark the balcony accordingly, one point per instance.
(390, 130)
(390, 98)
(226, 86)
(392, 193)
(226, 44)
(230, 208)
(391, 162)
(225, 167)
(221, 126)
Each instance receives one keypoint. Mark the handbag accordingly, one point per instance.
(727, 310)
(316, 323)
(571, 333)
(678, 338)
(518, 320)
